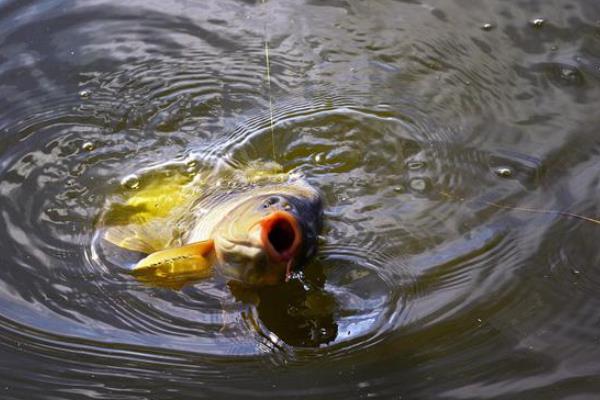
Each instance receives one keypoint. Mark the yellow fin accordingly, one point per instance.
(147, 220)
(176, 266)
(157, 198)
(147, 238)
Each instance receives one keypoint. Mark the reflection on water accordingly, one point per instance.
(298, 313)
(422, 122)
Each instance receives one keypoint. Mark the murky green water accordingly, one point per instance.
(420, 121)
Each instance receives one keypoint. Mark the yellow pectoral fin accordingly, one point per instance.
(177, 266)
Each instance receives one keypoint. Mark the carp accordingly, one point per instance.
(256, 229)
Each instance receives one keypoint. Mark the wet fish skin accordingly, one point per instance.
(242, 226)
(241, 250)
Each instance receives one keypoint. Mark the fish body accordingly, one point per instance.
(251, 231)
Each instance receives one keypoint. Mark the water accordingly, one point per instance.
(421, 122)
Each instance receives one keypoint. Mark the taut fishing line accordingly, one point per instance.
(268, 65)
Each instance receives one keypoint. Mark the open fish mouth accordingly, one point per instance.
(277, 235)
(281, 236)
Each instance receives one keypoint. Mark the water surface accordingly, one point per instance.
(422, 122)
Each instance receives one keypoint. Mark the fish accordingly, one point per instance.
(255, 230)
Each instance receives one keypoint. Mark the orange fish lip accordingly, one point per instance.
(281, 236)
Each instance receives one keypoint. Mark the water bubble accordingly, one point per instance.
(84, 94)
(399, 189)
(569, 74)
(318, 157)
(538, 22)
(576, 272)
(88, 146)
(487, 27)
(191, 167)
(503, 172)
(418, 184)
(131, 182)
(416, 165)
(564, 74)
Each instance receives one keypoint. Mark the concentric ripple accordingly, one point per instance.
(455, 146)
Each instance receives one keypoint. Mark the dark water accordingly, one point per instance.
(420, 121)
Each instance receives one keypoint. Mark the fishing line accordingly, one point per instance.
(268, 65)
(531, 210)
(544, 211)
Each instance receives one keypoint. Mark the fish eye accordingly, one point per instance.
(270, 201)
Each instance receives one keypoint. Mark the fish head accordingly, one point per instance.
(264, 238)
